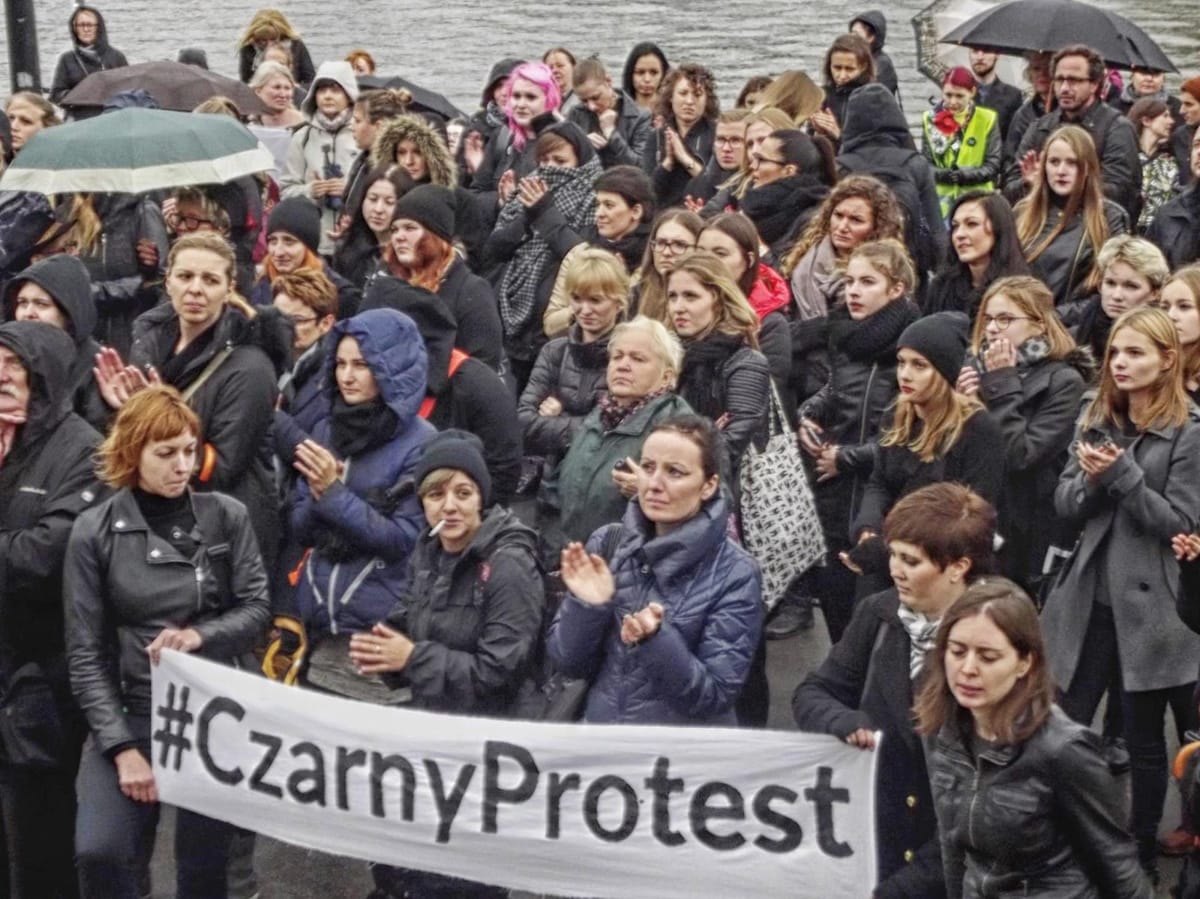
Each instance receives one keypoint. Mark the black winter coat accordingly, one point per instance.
(117, 276)
(1023, 119)
(1176, 229)
(742, 391)
(79, 62)
(627, 144)
(670, 186)
(1067, 262)
(302, 65)
(1004, 100)
(1116, 144)
(472, 302)
(1036, 409)
(124, 584)
(235, 405)
(864, 682)
(66, 280)
(851, 406)
(782, 209)
(899, 471)
(46, 480)
(1045, 818)
(475, 619)
(574, 373)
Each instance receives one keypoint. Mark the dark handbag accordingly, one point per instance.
(31, 729)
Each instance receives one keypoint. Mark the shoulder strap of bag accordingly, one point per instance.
(209, 369)
(457, 358)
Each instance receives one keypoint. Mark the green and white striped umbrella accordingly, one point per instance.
(135, 150)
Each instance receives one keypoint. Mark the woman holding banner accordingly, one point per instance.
(664, 611)
(939, 539)
(155, 567)
(1026, 801)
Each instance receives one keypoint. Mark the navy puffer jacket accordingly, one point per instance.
(693, 669)
(352, 594)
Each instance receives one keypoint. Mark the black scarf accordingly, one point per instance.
(177, 364)
(701, 382)
(356, 429)
(631, 248)
(873, 338)
(1094, 327)
(774, 208)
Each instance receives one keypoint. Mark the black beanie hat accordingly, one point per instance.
(942, 339)
(461, 451)
(299, 217)
(431, 206)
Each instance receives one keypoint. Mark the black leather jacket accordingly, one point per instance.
(1045, 818)
(124, 584)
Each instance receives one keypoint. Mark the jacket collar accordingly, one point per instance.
(683, 551)
(126, 518)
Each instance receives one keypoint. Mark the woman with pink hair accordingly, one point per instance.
(508, 156)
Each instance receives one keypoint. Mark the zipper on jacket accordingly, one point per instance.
(862, 415)
(971, 807)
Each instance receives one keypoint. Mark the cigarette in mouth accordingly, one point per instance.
(437, 528)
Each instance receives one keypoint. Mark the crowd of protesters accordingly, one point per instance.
(440, 406)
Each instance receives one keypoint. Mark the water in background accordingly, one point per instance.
(449, 45)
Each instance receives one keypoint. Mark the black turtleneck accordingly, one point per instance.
(169, 517)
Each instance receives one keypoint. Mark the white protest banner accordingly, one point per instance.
(618, 811)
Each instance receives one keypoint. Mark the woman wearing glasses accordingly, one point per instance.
(1025, 367)
(673, 233)
(791, 174)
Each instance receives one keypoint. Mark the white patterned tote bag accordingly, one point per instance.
(779, 519)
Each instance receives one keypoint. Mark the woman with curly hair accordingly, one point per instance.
(848, 66)
(688, 107)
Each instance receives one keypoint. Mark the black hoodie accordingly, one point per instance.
(66, 279)
(474, 399)
(885, 72)
(46, 480)
(80, 61)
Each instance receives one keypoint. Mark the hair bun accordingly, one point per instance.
(402, 95)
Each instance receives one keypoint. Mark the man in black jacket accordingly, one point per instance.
(1003, 99)
(1079, 75)
(46, 479)
(618, 128)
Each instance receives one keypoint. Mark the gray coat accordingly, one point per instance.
(1150, 494)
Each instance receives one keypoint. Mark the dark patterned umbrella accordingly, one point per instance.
(175, 85)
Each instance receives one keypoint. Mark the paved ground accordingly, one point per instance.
(286, 872)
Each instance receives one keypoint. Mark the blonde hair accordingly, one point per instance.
(1170, 404)
(778, 120)
(1189, 277)
(41, 104)
(733, 314)
(1086, 199)
(1139, 254)
(666, 345)
(596, 271)
(268, 25)
(1035, 301)
(268, 70)
(890, 258)
(946, 414)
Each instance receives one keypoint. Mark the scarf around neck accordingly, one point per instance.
(333, 124)
(817, 281)
(874, 337)
(922, 635)
(701, 382)
(356, 429)
(612, 413)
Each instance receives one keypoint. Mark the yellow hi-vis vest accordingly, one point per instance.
(971, 149)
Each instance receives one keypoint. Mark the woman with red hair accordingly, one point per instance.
(962, 140)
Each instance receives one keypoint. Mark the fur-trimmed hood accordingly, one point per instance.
(442, 170)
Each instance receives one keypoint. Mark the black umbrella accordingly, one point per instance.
(175, 85)
(1050, 25)
(423, 99)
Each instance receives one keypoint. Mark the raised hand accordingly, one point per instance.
(587, 576)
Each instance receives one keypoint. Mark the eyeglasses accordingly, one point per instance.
(188, 222)
(760, 159)
(86, 26)
(675, 246)
(1002, 321)
(1070, 81)
(301, 319)
(730, 141)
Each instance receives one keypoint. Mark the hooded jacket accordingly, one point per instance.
(876, 141)
(352, 594)
(79, 62)
(438, 162)
(474, 399)
(306, 154)
(691, 671)
(46, 480)
(475, 619)
(66, 280)
(235, 405)
(885, 72)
